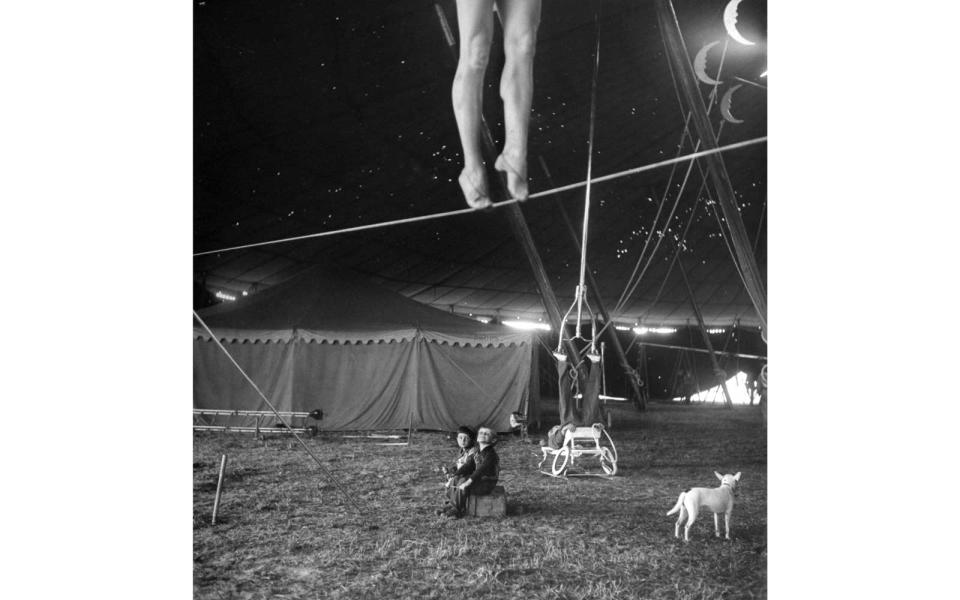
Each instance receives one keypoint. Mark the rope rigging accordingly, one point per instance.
(580, 294)
(263, 397)
(634, 280)
(542, 194)
(682, 71)
(618, 306)
(580, 302)
(632, 285)
(673, 261)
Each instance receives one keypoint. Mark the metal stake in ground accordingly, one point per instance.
(216, 501)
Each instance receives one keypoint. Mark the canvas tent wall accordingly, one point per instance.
(367, 356)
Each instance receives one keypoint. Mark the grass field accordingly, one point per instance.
(285, 530)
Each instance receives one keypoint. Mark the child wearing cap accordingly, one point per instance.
(477, 477)
(466, 441)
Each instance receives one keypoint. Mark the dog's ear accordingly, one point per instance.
(719, 476)
(737, 476)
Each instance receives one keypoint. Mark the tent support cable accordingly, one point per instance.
(670, 29)
(717, 371)
(631, 285)
(643, 259)
(463, 211)
(673, 261)
(326, 472)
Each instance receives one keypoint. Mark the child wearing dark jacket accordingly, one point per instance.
(467, 442)
(478, 475)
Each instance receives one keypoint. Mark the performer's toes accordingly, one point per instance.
(516, 177)
(474, 186)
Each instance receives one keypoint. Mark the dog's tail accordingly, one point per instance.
(678, 505)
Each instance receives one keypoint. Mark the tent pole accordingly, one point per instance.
(676, 376)
(533, 400)
(692, 361)
(691, 358)
(720, 373)
(686, 79)
(642, 368)
(736, 336)
(603, 358)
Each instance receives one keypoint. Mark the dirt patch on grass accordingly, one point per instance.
(285, 529)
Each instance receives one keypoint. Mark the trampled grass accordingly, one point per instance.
(286, 530)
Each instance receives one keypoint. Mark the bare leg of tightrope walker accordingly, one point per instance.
(521, 19)
(475, 22)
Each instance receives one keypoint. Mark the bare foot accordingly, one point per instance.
(474, 186)
(516, 176)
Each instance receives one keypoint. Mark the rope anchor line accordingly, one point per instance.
(283, 421)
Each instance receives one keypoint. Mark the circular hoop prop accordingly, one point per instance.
(600, 432)
(560, 466)
(607, 462)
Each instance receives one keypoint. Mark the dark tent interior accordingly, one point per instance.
(320, 117)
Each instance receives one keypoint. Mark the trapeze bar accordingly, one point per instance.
(704, 350)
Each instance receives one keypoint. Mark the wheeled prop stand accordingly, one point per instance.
(593, 441)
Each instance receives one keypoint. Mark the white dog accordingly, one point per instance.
(719, 500)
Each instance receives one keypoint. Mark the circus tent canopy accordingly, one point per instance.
(312, 118)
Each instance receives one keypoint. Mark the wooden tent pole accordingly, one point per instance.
(520, 230)
(643, 368)
(736, 336)
(720, 373)
(676, 377)
(686, 79)
(533, 402)
(692, 362)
